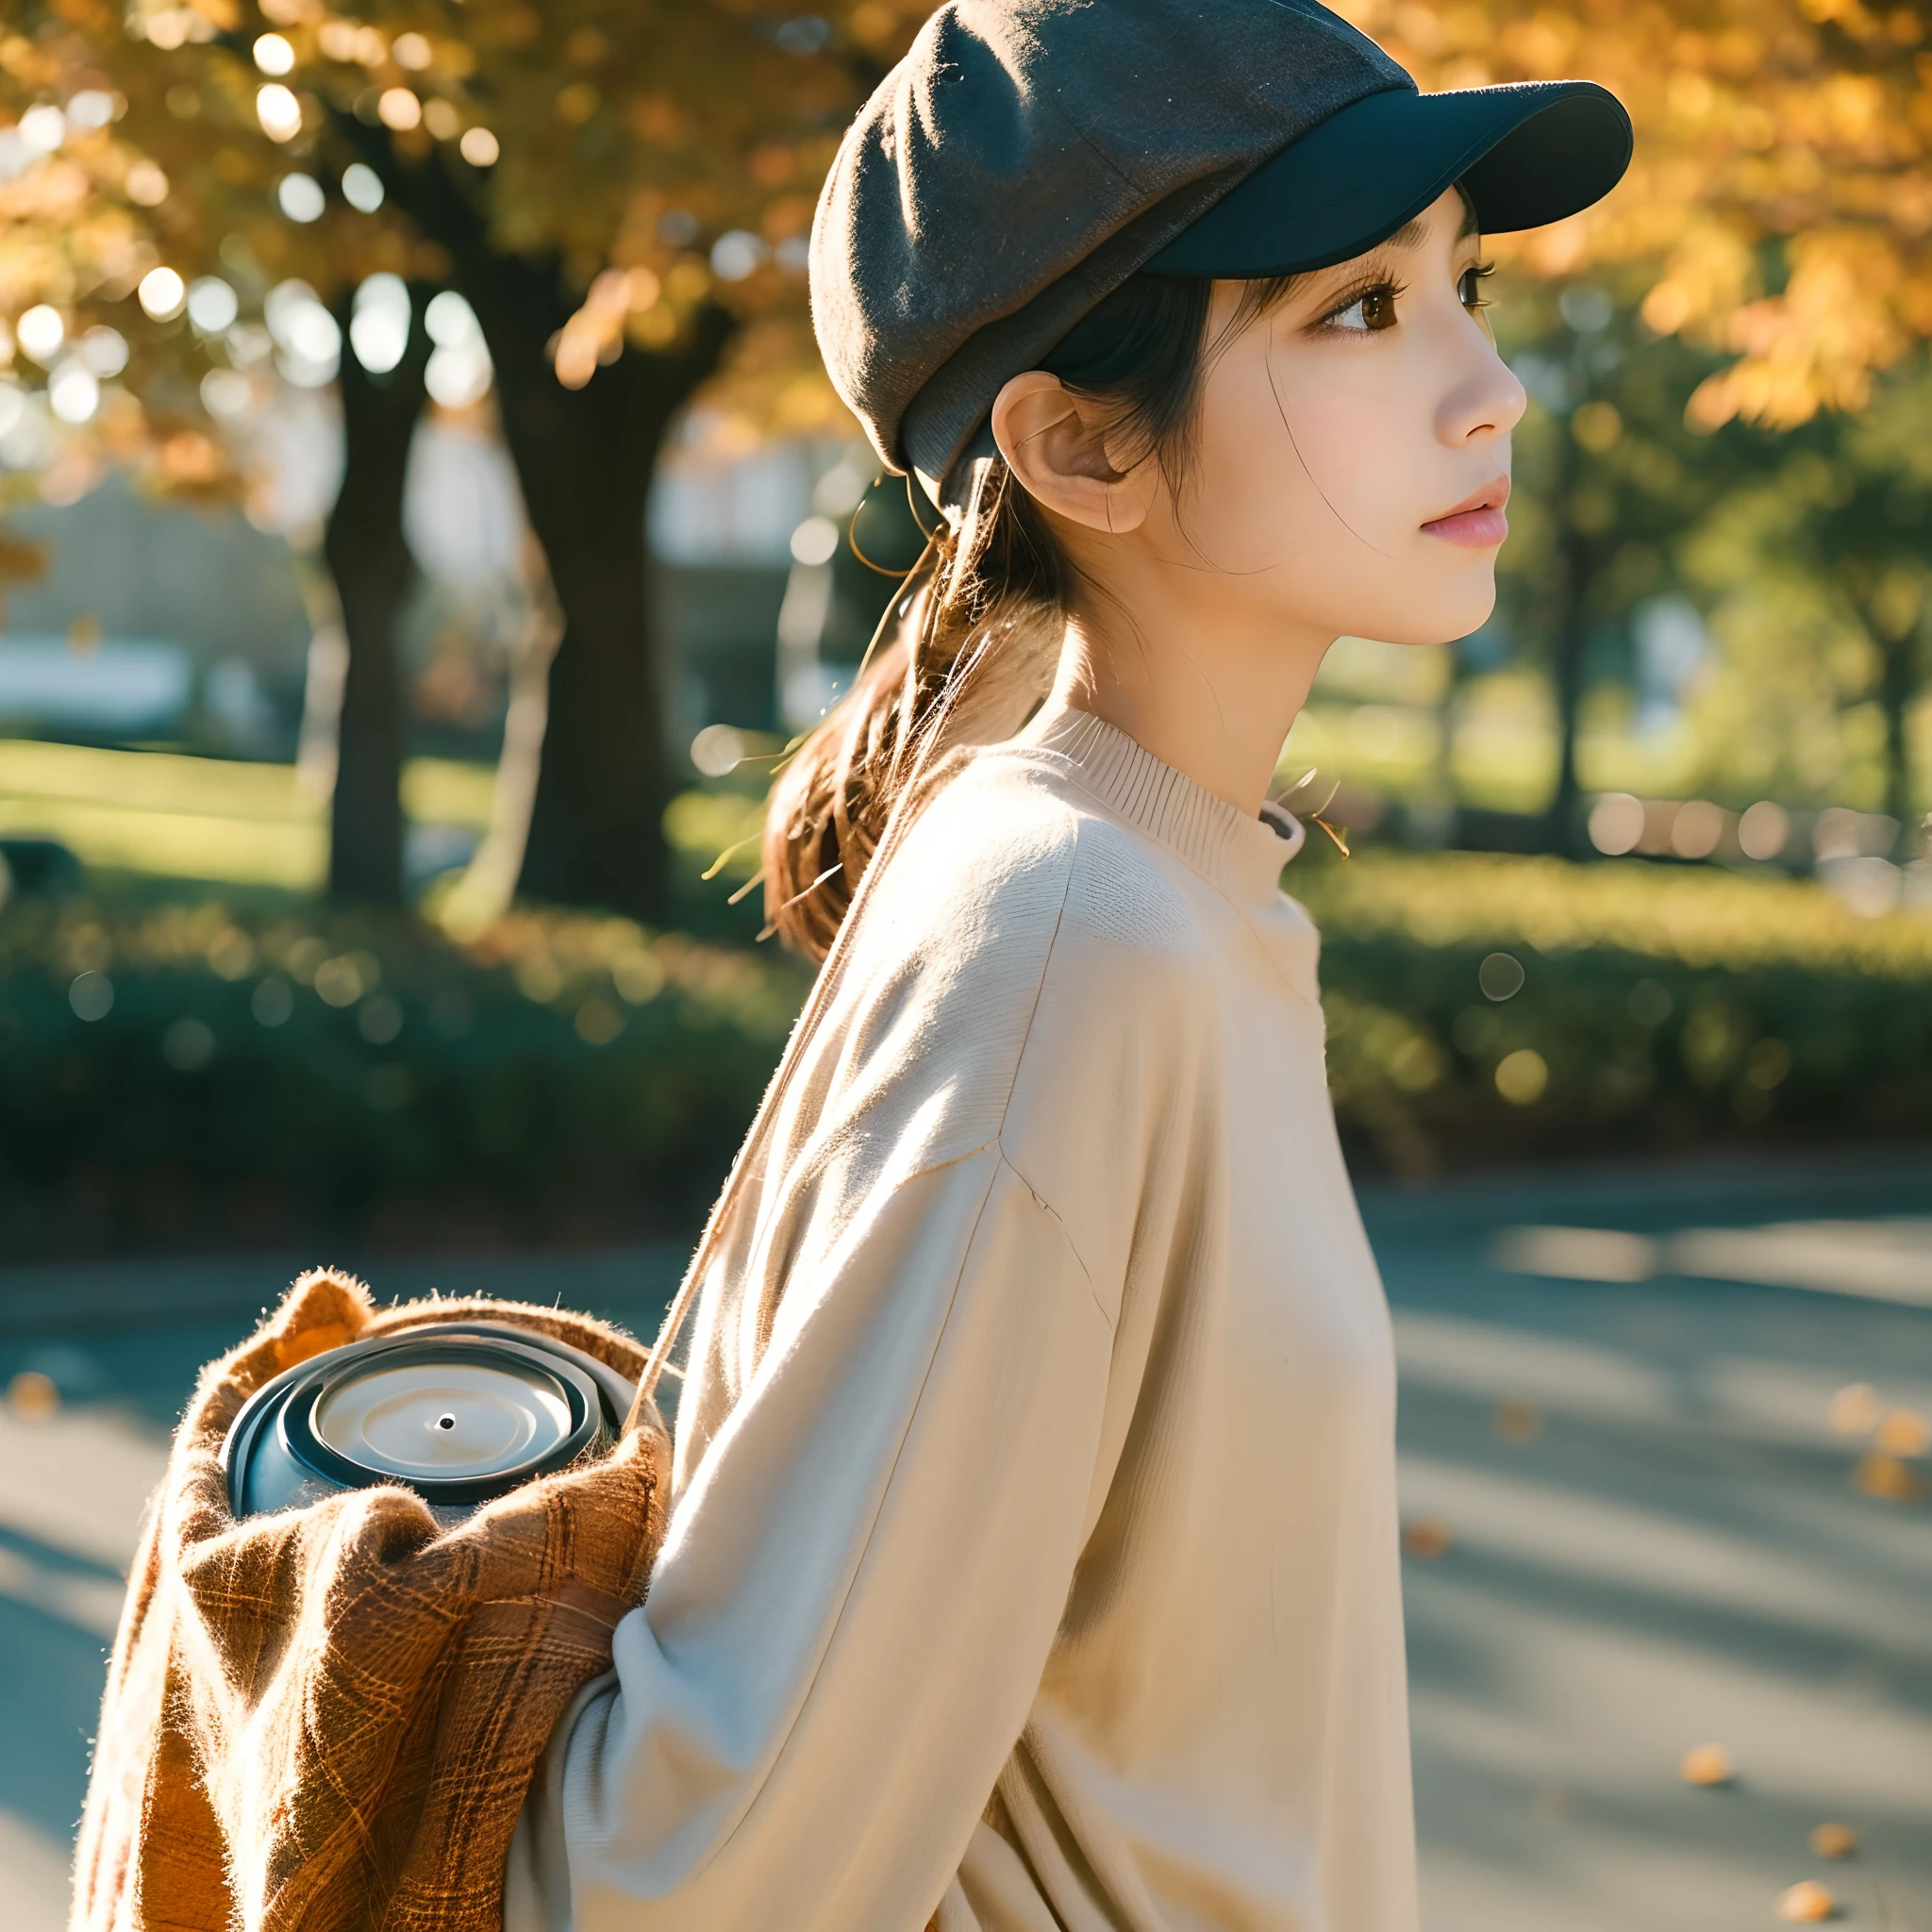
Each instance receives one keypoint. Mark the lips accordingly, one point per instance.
(1478, 522)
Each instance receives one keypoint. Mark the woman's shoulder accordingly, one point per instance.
(1012, 925)
(1009, 862)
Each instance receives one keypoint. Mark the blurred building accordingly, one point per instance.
(728, 523)
(210, 627)
(154, 623)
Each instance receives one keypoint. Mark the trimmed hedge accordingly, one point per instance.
(261, 1071)
(561, 1076)
(1658, 1007)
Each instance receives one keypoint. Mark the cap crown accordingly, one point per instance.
(1022, 161)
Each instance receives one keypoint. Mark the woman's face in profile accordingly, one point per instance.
(1351, 456)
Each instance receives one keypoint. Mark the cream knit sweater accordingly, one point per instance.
(1038, 1436)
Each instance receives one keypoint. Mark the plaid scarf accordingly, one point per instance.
(327, 1717)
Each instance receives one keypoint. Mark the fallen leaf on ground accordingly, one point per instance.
(1518, 1422)
(1708, 1764)
(1834, 1840)
(1806, 1902)
(1904, 1432)
(33, 1395)
(1854, 1410)
(1884, 1475)
(1426, 1535)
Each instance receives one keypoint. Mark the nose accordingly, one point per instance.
(1485, 399)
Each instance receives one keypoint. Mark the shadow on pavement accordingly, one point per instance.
(1648, 1540)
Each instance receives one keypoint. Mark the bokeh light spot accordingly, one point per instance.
(301, 198)
(92, 995)
(1521, 1076)
(1501, 976)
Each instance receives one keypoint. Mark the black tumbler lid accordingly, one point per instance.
(460, 1412)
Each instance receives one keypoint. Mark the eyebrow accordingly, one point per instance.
(1411, 233)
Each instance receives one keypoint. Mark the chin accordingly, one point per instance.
(1439, 615)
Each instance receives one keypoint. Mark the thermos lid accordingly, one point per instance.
(458, 1411)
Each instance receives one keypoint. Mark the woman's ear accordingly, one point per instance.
(1056, 443)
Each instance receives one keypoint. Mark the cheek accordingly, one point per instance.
(1310, 483)
(1254, 500)
(1364, 443)
(1297, 453)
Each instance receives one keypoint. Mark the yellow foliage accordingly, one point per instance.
(1802, 121)
(181, 816)
(633, 139)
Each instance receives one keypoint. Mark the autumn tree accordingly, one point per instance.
(615, 196)
(592, 227)
(1816, 561)
(588, 184)
(157, 257)
(1773, 224)
(1608, 478)
(618, 192)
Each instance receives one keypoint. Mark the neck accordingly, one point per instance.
(1215, 697)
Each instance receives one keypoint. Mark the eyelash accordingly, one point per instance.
(1480, 273)
(1355, 298)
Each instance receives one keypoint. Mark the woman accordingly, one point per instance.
(1033, 1560)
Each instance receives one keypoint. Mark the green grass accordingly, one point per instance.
(166, 815)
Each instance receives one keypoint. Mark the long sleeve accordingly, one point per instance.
(897, 1433)
(850, 1619)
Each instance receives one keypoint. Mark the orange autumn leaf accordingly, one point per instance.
(1426, 1537)
(1806, 1904)
(1708, 1766)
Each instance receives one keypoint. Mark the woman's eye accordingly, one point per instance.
(1370, 312)
(1469, 288)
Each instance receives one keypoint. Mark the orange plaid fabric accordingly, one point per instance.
(327, 1718)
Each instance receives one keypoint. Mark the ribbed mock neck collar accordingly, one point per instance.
(1243, 856)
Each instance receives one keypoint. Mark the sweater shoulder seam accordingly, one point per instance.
(1066, 1234)
(1002, 1160)
(1071, 818)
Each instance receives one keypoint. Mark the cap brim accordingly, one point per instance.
(1529, 153)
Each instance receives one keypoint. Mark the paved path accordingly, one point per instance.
(1653, 1538)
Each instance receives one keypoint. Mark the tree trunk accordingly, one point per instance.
(370, 560)
(1895, 691)
(1562, 822)
(1566, 647)
(584, 458)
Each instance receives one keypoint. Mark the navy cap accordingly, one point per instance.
(1027, 156)
(1528, 154)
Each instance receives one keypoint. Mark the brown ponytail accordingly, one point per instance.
(969, 647)
(966, 651)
